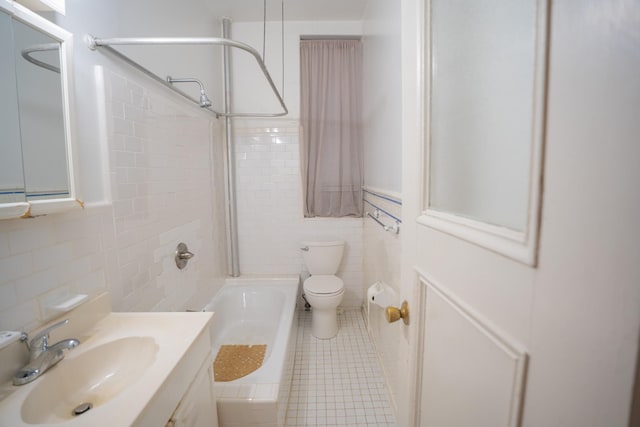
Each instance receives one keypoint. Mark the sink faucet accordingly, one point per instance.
(42, 356)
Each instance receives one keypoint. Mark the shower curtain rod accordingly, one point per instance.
(95, 43)
(26, 54)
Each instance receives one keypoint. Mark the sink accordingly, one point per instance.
(133, 368)
(92, 377)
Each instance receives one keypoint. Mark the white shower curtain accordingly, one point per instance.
(331, 136)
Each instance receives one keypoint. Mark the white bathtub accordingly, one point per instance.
(256, 311)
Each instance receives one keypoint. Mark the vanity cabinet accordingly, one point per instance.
(198, 406)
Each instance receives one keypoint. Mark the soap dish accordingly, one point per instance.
(62, 303)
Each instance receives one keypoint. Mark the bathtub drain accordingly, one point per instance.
(81, 409)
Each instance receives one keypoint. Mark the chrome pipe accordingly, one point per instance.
(395, 228)
(204, 99)
(155, 77)
(232, 213)
(94, 43)
(45, 47)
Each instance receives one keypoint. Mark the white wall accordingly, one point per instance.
(382, 106)
(382, 163)
(152, 154)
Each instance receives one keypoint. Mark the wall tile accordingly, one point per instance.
(15, 266)
(382, 259)
(25, 240)
(163, 166)
(170, 161)
(269, 203)
(8, 297)
(62, 249)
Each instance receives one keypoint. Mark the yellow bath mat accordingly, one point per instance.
(236, 361)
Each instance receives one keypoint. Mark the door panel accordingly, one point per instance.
(472, 374)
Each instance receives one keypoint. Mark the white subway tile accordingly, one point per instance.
(117, 109)
(91, 284)
(133, 113)
(122, 208)
(118, 89)
(36, 284)
(15, 267)
(19, 317)
(133, 144)
(124, 159)
(52, 256)
(27, 239)
(137, 175)
(69, 271)
(117, 143)
(8, 296)
(125, 191)
(122, 127)
(4, 244)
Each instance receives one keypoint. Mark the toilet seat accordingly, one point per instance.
(324, 285)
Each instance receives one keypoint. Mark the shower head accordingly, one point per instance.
(204, 99)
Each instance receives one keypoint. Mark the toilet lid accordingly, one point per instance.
(322, 284)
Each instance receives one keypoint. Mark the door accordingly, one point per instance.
(198, 406)
(509, 340)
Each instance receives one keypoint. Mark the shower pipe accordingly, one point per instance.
(232, 214)
(95, 43)
(26, 54)
(204, 99)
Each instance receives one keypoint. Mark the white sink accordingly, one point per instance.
(131, 367)
(93, 377)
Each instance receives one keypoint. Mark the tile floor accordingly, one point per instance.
(338, 382)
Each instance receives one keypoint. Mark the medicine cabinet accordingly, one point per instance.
(36, 157)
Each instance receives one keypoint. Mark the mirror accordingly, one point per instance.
(40, 106)
(11, 174)
(486, 109)
(36, 171)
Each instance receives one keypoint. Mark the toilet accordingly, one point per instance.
(323, 290)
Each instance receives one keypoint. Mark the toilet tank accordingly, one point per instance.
(322, 257)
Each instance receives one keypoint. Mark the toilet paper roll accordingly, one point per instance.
(381, 295)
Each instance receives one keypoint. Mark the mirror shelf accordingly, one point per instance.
(45, 5)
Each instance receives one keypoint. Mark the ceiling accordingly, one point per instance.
(294, 10)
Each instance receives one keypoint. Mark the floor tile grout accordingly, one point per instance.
(338, 382)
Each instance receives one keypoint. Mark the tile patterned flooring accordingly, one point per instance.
(338, 382)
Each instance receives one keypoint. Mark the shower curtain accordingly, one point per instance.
(331, 120)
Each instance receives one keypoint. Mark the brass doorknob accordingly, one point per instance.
(394, 313)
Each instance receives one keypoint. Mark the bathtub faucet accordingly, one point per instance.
(42, 356)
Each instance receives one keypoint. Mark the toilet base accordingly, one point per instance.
(324, 323)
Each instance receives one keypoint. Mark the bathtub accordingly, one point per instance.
(256, 311)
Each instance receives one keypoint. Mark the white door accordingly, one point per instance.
(502, 338)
